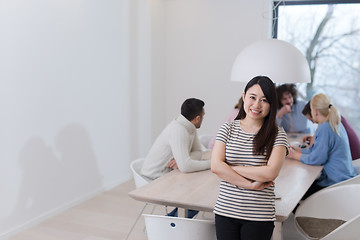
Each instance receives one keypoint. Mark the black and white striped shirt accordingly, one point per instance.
(241, 203)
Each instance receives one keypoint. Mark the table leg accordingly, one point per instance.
(277, 234)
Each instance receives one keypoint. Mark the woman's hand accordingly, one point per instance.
(296, 148)
(306, 139)
(309, 140)
(261, 185)
(294, 154)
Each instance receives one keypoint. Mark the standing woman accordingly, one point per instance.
(247, 156)
(331, 147)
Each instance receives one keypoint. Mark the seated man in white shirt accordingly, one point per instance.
(178, 145)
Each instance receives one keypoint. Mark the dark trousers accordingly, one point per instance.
(190, 213)
(312, 189)
(238, 229)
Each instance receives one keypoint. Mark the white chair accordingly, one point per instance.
(330, 214)
(135, 167)
(140, 181)
(176, 228)
(356, 164)
(204, 140)
(354, 180)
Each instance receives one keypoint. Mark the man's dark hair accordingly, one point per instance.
(280, 90)
(307, 109)
(191, 108)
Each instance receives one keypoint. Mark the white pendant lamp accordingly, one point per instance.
(277, 59)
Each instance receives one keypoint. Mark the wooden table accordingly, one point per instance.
(199, 190)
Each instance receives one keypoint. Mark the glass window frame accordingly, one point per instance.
(277, 4)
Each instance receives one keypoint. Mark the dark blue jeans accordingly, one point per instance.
(190, 213)
(312, 189)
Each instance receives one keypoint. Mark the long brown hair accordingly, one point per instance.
(265, 138)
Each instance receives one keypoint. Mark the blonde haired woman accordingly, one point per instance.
(331, 146)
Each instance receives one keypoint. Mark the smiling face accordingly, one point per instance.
(256, 105)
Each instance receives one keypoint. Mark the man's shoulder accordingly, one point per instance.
(174, 128)
(175, 124)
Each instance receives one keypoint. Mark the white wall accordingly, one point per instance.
(87, 85)
(67, 77)
(202, 39)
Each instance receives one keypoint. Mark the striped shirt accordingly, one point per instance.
(237, 202)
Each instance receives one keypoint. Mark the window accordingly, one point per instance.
(328, 34)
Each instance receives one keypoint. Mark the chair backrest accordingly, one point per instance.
(354, 180)
(204, 140)
(340, 203)
(356, 162)
(176, 228)
(348, 231)
(135, 167)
